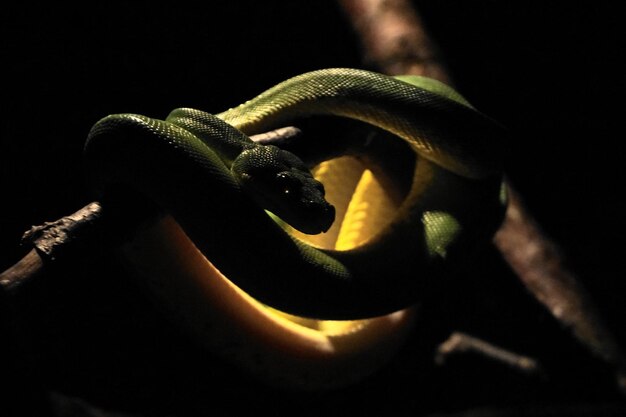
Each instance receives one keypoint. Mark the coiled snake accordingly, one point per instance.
(217, 184)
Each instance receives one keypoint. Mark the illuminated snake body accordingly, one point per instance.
(216, 183)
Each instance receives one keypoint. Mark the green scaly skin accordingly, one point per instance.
(205, 172)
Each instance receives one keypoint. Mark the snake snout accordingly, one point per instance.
(313, 214)
(304, 207)
(320, 218)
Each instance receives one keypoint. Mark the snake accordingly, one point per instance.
(236, 198)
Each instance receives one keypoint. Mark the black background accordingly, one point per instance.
(551, 73)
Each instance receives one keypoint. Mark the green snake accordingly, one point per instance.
(219, 185)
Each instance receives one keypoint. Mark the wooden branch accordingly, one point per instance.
(28, 268)
(461, 343)
(395, 42)
(539, 264)
(394, 38)
(49, 241)
(83, 233)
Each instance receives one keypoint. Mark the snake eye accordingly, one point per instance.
(288, 185)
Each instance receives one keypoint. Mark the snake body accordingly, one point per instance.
(185, 164)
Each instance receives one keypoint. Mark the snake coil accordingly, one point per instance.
(184, 162)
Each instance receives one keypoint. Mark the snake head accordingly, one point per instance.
(282, 184)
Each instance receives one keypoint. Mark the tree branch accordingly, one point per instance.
(459, 342)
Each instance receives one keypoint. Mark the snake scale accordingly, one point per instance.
(217, 183)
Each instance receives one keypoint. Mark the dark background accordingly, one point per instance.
(551, 73)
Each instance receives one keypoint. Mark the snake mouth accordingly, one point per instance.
(307, 220)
